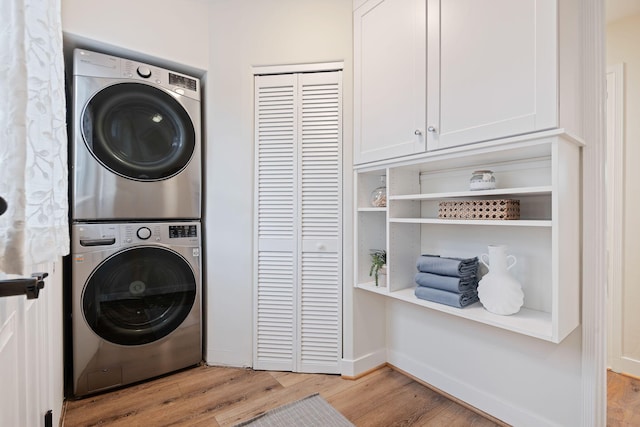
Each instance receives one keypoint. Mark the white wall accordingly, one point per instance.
(176, 31)
(246, 33)
(521, 380)
(622, 47)
(221, 40)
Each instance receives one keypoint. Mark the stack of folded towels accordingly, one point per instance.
(450, 281)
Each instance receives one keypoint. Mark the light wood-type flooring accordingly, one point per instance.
(218, 396)
(623, 395)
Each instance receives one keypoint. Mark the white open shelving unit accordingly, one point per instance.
(542, 174)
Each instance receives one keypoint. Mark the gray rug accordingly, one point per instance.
(312, 411)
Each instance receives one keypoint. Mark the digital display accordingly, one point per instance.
(178, 231)
(182, 81)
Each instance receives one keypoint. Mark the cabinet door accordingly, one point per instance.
(492, 69)
(389, 79)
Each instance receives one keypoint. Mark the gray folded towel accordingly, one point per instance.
(447, 298)
(447, 283)
(455, 267)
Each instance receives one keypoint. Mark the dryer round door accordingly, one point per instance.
(138, 131)
(139, 295)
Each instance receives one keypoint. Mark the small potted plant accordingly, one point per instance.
(378, 263)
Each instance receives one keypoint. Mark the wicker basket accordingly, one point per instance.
(499, 209)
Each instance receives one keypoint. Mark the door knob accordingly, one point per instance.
(23, 286)
(431, 129)
(3, 205)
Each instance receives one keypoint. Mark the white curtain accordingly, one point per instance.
(33, 138)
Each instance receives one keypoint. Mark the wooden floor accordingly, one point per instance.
(214, 396)
(623, 394)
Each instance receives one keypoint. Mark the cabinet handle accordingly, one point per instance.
(431, 129)
(417, 132)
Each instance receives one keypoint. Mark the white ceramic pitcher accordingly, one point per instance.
(498, 291)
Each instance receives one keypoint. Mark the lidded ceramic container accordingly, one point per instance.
(482, 180)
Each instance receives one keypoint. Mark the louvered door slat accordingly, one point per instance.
(298, 222)
(320, 313)
(320, 184)
(275, 297)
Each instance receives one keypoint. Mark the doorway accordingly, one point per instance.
(298, 222)
(623, 179)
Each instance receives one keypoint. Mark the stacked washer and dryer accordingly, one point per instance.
(136, 236)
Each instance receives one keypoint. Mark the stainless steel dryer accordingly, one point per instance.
(136, 302)
(136, 141)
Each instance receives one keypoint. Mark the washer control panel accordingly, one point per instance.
(178, 231)
(144, 233)
(88, 237)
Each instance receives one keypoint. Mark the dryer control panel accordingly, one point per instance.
(94, 64)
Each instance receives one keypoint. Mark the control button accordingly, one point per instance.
(144, 71)
(144, 233)
(128, 240)
(179, 91)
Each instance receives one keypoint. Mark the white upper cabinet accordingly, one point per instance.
(491, 71)
(434, 74)
(389, 80)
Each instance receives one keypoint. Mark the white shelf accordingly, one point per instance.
(527, 322)
(515, 192)
(544, 175)
(488, 222)
(371, 209)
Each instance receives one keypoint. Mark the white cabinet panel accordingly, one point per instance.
(492, 70)
(389, 79)
(434, 74)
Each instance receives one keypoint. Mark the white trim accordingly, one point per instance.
(469, 393)
(261, 70)
(594, 401)
(615, 212)
(354, 367)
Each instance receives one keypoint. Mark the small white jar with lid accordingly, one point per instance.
(482, 180)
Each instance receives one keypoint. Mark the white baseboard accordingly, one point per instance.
(478, 398)
(356, 367)
(226, 358)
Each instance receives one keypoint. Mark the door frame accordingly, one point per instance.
(297, 363)
(615, 224)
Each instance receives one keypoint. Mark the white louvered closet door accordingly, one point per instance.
(298, 292)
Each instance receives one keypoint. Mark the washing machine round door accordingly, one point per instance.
(139, 295)
(138, 131)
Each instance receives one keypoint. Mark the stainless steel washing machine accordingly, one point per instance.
(136, 141)
(136, 302)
